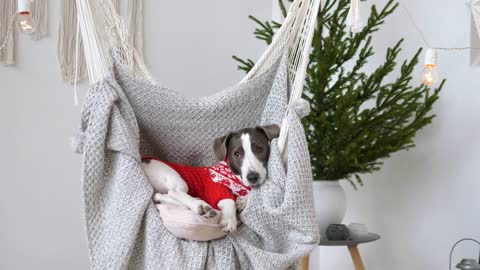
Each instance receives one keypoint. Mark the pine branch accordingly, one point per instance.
(358, 118)
(264, 31)
(245, 65)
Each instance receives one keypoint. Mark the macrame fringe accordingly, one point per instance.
(8, 8)
(354, 21)
(135, 25)
(40, 17)
(295, 34)
(67, 45)
(72, 62)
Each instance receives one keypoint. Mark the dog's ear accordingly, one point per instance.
(220, 147)
(272, 131)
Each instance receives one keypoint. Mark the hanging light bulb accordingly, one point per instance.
(25, 22)
(429, 74)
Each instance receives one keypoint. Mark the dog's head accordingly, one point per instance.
(246, 152)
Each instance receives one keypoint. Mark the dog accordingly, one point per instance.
(242, 164)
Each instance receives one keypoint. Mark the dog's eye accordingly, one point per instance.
(237, 154)
(259, 149)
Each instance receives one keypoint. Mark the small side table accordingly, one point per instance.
(352, 246)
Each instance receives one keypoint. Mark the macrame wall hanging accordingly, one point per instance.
(40, 19)
(8, 9)
(475, 32)
(70, 44)
(30, 17)
(70, 48)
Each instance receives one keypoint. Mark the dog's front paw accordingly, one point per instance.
(241, 203)
(229, 224)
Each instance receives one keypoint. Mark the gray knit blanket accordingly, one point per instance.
(124, 118)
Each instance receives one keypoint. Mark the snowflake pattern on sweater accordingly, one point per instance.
(221, 173)
(210, 184)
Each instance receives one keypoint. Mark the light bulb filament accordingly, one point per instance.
(25, 25)
(429, 75)
(25, 22)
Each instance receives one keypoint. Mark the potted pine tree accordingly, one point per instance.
(358, 117)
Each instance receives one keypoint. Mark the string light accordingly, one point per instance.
(429, 75)
(23, 16)
(25, 23)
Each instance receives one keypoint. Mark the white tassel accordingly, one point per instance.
(75, 95)
(77, 142)
(301, 107)
(354, 21)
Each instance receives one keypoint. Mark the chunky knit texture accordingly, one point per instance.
(124, 118)
(211, 184)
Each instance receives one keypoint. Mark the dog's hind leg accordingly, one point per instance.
(160, 198)
(165, 179)
(197, 205)
(204, 210)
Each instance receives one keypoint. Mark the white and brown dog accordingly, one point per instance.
(242, 156)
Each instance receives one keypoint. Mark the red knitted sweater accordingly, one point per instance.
(210, 184)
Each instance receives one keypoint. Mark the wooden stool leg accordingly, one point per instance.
(357, 260)
(305, 261)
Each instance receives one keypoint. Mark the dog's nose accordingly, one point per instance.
(252, 177)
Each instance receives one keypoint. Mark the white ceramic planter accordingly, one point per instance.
(330, 203)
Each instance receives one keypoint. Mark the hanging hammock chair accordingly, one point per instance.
(127, 115)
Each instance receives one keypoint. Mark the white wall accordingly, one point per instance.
(425, 199)
(189, 46)
(420, 202)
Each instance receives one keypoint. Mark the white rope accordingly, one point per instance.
(135, 27)
(301, 68)
(8, 13)
(279, 41)
(75, 81)
(97, 64)
(113, 45)
(118, 41)
(295, 34)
